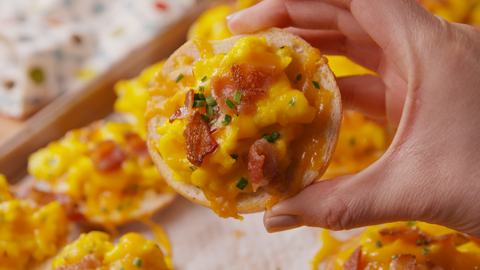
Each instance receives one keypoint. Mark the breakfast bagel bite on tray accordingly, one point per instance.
(102, 173)
(240, 124)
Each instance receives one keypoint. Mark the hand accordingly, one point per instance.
(428, 84)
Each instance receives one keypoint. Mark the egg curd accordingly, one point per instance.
(132, 96)
(95, 251)
(284, 116)
(431, 245)
(105, 168)
(28, 234)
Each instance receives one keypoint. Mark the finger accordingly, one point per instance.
(364, 94)
(332, 42)
(300, 14)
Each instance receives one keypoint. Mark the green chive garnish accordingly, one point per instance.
(410, 223)
(242, 183)
(209, 110)
(198, 103)
(394, 256)
(352, 141)
(316, 84)
(293, 101)
(193, 168)
(378, 244)
(179, 77)
(425, 242)
(275, 135)
(201, 89)
(121, 268)
(267, 137)
(205, 117)
(230, 103)
(213, 122)
(238, 97)
(127, 204)
(425, 250)
(299, 77)
(234, 156)
(211, 101)
(119, 207)
(198, 96)
(419, 242)
(271, 138)
(104, 210)
(226, 120)
(204, 78)
(137, 262)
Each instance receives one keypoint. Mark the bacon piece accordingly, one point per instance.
(186, 109)
(108, 156)
(404, 262)
(89, 262)
(353, 262)
(199, 141)
(137, 145)
(223, 87)
(262, 163)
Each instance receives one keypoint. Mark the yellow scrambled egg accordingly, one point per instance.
(442, 246)
(133, 252)
(132, 96)
(28, 234)
(71, 166)
(284, 109)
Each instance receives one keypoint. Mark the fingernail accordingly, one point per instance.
(281, 223)
(229, 17)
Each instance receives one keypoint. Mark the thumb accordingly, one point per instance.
(370, 197)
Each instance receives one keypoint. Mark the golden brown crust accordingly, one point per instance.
(252, 202)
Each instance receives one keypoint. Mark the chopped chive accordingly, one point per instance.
(121, 268)
(213, 122)
(352, 141)
(193, 168)
(378, 243)
(419, 242)
(137, 262)
(299, 77)
(209, 110)
(201, 89)
(410, 223)
(104, 210)
(316, 84)
(211, 101)
(230, 103)
(226, 120)
(234, 156)
(394, 256)
(271, 138)
(238, 97)
(198, 96)
(242, 183)
(197, 186)
(204, 78)
(205, 117)
(135, 186)
(198, 103)
(425, 242)
(292, 102)
(127, 204)
(179, 77)
(119, 207)
(425, 250)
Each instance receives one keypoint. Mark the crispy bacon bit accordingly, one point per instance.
(262, 163)
(252, 80)
(199, 141)
(89, 262)
(137, 145)
(353, 262)
(223, 87)
(404, 262)
(186, 109)
(108, 156)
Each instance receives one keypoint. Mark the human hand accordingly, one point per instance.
(428, 85)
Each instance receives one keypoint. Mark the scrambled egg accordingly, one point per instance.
(133, 96)
(450, 250)
(28, 234)
(284, 109)
(95, 248)
(71, 166)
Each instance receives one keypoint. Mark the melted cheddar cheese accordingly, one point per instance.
(28, 234)
(378, 251)
(104, 196)
(133, 252)
(132, 96)
(289, 108)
